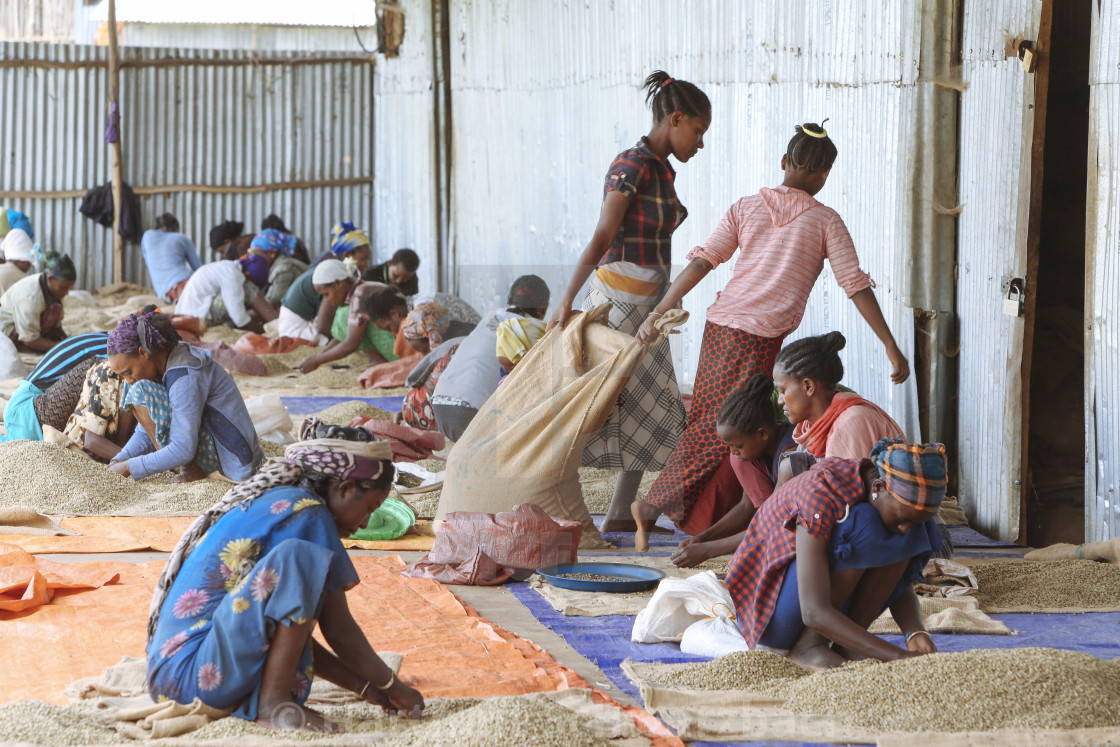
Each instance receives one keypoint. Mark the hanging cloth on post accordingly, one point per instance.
(97, 205)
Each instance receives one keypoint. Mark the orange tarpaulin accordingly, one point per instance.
(449, 651)
(27, 582)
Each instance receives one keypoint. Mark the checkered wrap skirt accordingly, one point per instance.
(698, 485)
(648, 418)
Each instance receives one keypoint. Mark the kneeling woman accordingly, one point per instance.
(193, 417)
(833, 548)
(235, 608)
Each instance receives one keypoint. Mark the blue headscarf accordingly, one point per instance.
(346, 238)
(271, 240)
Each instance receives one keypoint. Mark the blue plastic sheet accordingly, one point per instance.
(968, 537)
(312, 405)
(626, 539)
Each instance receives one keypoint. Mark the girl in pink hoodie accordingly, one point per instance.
(784, 236)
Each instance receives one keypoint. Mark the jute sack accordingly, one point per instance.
(524, 446)
(1103, 552)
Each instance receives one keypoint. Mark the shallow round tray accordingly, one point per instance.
(639, 578)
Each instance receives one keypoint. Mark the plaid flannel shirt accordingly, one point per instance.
(645, 236)
(815, 500)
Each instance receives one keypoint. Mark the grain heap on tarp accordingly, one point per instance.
(1028, 585)
(344, 412)
(598, 487)
(58, 481)
(758, 671)
(34, 722)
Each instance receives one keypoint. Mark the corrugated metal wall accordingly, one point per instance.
(242, 36)
(996, 129)
(1102, 339)
(37, 20)
(545, 94)
(234, 126)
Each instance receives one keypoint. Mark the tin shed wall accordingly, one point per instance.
(545, 94)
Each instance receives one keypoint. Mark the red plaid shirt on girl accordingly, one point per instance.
(816, 500)
(644, 238)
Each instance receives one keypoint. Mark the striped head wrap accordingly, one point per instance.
(271, 240)
(915, 474)
(346, 238)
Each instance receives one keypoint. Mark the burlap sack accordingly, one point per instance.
(946, 615)
(1104, 552)
(524, 446)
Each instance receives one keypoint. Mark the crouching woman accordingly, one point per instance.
(235, 608)
(833, 548)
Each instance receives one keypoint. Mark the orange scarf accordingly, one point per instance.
(814, 435)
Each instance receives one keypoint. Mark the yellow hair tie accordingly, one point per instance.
(822, 134)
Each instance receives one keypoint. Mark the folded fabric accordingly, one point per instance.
(27, 582)
(252, 343)
(408, 444)
(234, 361)
(389, 375)
(478, 570)
(28, 521)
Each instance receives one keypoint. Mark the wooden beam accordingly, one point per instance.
(114, 108)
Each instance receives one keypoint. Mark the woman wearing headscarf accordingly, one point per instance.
(31, 310)
(229, 291)
(284, 267)
(833, 548)
(353, 328)
(193, 417)
(307, 310)
(235, 607)
(171, 257)
(348, 244)
(10, 220)
(17, 248)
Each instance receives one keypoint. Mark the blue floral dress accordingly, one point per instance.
(267, 563)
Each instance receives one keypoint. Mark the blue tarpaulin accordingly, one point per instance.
(312, 405)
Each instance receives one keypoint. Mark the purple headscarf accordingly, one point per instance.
(141, 331)
(257, 267)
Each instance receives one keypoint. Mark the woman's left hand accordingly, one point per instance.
(648, 332)
(121, 468)
(407, 701)
(921, 643)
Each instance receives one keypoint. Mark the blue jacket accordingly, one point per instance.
(201, 394)
(171, 258)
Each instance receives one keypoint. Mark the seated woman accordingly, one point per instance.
(194, 419)
(31, 310)
(51, 391)
(749, 426)
(17, 249)
(399, 272)
(348, 244)
(219, 292)
(284, 267)
(354, 330)
(308, 308)
(170, 257)
(863, 532)
(237, 603)
(473, 374)
(435, 318)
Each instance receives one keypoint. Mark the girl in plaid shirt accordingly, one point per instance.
(628, 260)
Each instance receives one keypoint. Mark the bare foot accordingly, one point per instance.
(815, 656)
(643, 524)
(293, 716)
(189, 472)
(629, 525)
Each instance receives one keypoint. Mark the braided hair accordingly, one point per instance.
(750, 407)
(665, 95)
(148, 330)
(811, 149)
(816, 358)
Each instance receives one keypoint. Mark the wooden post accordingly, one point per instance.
(114, 102)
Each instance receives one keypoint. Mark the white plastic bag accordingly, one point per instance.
(714, 636)
(677, 604)
(270, 418)
(11, 367)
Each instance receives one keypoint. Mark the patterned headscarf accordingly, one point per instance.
(141, 331)
(425, 319)
(346, 238)
(517, 336)
(330, 458)
(914, 473)
(271, 240)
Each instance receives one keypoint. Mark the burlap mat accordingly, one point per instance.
(732, 715)
(25, 521)
(952, 514)
(598, 604)
(946, 615)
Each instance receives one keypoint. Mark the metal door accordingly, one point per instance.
(1002, 129)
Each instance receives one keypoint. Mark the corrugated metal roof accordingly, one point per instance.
(265, 12)
(209, 125)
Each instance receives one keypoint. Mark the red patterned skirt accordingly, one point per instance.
(698, 486)
(416, 409)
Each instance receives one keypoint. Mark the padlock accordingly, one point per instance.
(1013, 304)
